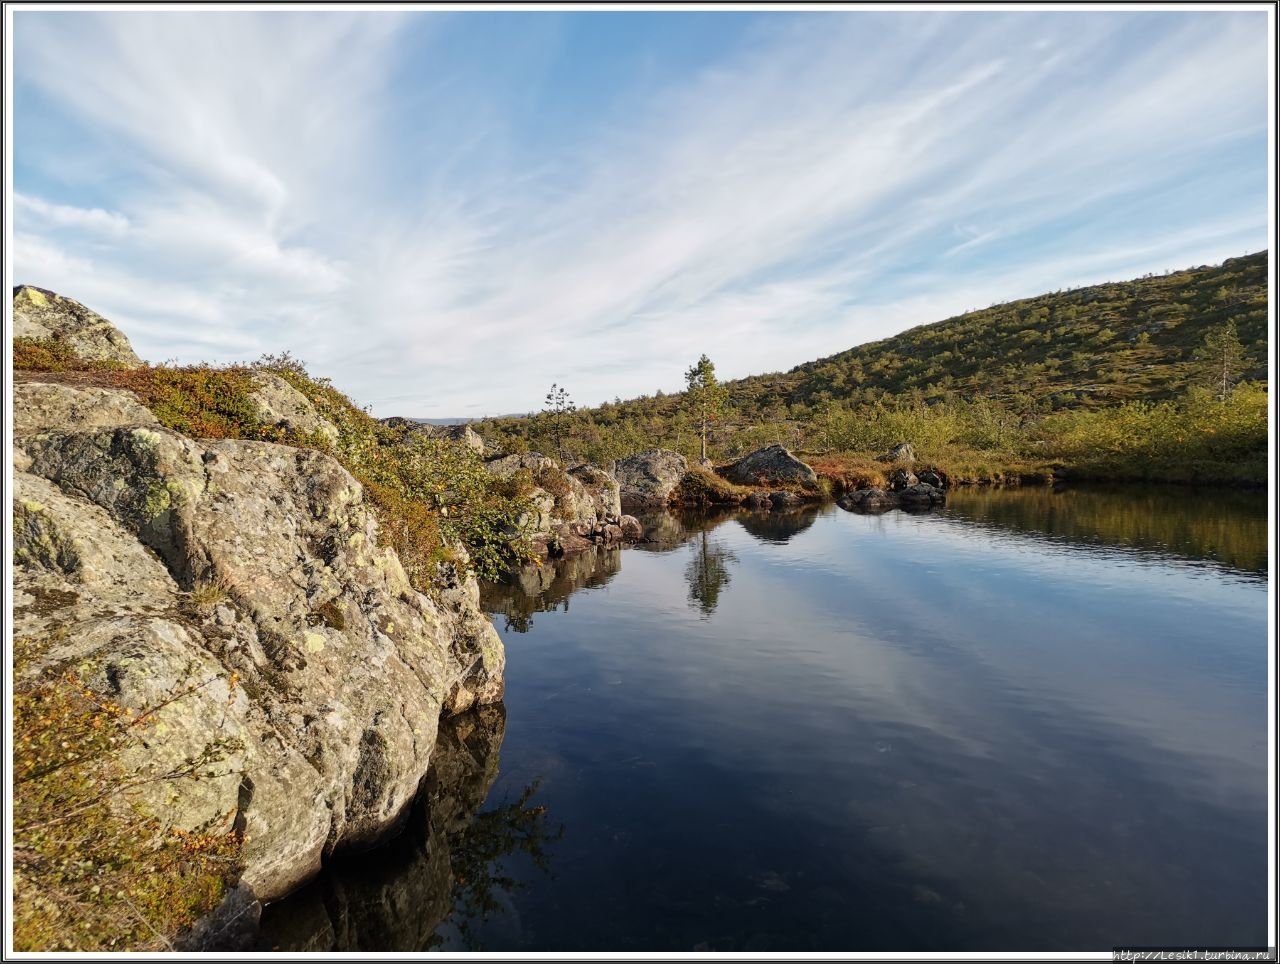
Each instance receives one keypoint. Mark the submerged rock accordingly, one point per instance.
(916, 496)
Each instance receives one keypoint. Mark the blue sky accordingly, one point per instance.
(446, 212)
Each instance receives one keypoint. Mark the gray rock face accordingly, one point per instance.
(602, 489)
(279, 403)
(37, 405)
(38, 313)
(354, 909)
(456, 433)
(771, 466)
(460, 433)
(933, 477)
(648, 478)
(902, 452)
(316, 666)
(570, 511)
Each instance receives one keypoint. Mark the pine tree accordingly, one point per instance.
(1221, 358)
(706, 396)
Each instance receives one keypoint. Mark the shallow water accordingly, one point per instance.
(1029, 721)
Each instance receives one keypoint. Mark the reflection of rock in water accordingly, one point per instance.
(540, 589)
(778, 526)
(396, 897)
(665, 531)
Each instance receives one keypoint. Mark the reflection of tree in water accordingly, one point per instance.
(708, 573)
(1223, 526)
(477, 852)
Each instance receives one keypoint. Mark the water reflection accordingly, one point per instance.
(779, 526)
(708, 573)
(982, 729)
(1227, 527)
(443, 877)
(547, 587)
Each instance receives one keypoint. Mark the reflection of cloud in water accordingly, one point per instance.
(1005, 718)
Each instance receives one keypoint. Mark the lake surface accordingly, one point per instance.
(1031, 720)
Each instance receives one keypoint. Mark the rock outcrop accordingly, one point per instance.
(352, 908)
(917, 496)
(279, 403)
(570, 511)
(455, 433)
(238, 591)
(38, 313)
(648, 479)
(771, 466)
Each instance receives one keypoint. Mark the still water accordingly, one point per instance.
(1031, 720)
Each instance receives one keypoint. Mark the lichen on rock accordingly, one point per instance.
(208, 577)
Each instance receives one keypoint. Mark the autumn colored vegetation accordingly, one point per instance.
(91, 872)
(428, 493)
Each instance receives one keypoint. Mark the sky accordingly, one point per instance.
(446, 212)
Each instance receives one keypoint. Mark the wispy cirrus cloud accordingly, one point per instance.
(359, 189)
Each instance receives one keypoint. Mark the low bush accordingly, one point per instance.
(92, 872)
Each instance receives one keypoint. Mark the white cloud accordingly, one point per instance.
(39, 213)
(792, 200)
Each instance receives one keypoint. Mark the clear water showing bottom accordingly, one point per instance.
(1029, 721)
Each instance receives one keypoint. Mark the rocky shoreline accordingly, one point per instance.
(237, 595)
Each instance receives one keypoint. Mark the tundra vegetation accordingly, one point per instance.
(1163, 378)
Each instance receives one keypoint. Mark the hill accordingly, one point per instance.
(1096, 347)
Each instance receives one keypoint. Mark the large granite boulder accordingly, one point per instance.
(454, 433)
(396, 899)
(648, 478)
(247, 578)
(279, 403)
(569, 511)
(900, 479)
(771, 466)
(38, 313)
